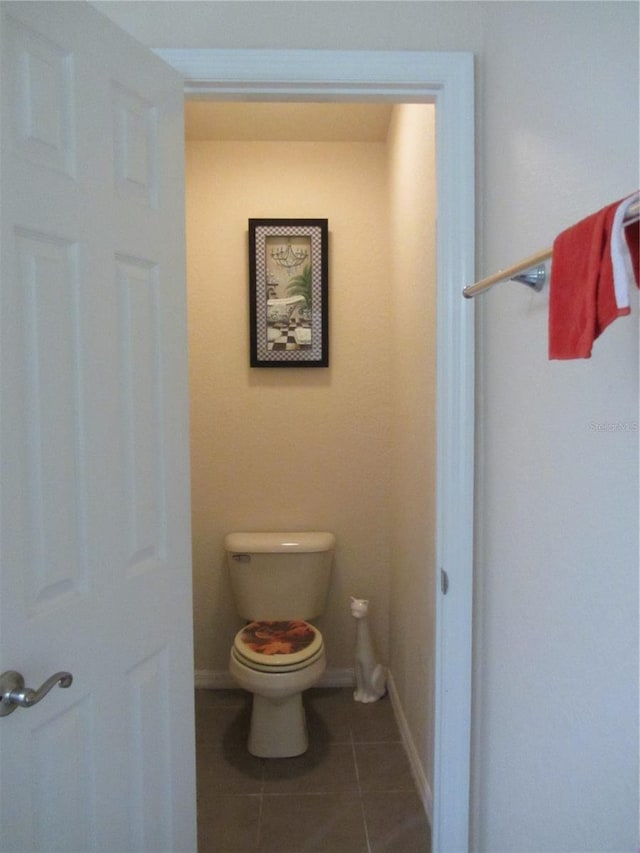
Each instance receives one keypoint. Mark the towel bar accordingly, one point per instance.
(532, 271)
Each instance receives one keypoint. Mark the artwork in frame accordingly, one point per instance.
(288, 292)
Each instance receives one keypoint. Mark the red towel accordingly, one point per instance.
(582, 299)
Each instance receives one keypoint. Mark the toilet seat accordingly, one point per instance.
(276, 669)
(278, 646)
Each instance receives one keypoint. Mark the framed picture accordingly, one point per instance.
(288, 292)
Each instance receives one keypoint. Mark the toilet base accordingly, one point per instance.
(278, 727)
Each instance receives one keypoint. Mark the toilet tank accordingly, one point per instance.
(279, 575)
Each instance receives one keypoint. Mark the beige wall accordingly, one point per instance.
(412, 196)
(290, 448)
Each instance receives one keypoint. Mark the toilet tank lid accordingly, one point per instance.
(279, 543)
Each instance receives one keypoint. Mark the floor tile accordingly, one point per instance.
(225, 724)
(332, 709)
(323, 768)
(383, 767)
(238, 774)
(229, 825)
(396, 822)
(351, 792)
(223, 763)
(322, 823)
(373, 722)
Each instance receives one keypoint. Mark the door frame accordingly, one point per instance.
(445, 79)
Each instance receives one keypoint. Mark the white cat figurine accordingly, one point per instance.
(370, 676)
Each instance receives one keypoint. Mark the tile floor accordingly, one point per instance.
(351, 792)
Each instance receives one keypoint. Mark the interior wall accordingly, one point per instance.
(556, 659)
(412, 205)
(292, 448)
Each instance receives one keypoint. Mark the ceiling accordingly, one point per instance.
(286, 122)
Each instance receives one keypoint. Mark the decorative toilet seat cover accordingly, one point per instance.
(280, 643)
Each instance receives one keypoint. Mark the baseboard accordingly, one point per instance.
(215, 679)
(424, 789)
(338, 678)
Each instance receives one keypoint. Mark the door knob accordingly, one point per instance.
(14, 694)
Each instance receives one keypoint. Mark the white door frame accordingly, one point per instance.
(445, 79)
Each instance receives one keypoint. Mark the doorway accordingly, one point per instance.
(447, 79)
(350, 448)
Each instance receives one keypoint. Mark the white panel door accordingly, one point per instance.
(96, 565)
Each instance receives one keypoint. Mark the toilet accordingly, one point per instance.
(279, 582)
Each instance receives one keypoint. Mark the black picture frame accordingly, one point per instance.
(289, 292)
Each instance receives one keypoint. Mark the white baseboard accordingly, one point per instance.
(215, 679)
(338, 678)
(424, 789)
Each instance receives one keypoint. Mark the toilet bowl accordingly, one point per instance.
(277, 661)
(274, 576)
